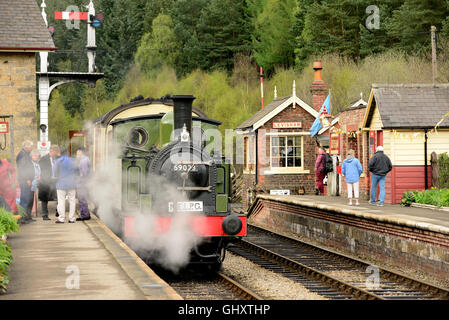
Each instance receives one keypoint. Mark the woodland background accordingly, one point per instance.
(212, 49)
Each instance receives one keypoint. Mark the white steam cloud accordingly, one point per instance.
(170, 248)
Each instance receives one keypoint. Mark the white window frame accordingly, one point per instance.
(287, 170)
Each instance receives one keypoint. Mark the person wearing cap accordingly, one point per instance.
(352, 169)
(379, 166)
(84, 170)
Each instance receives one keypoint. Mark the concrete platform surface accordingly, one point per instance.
(81, 260)
(426, 219)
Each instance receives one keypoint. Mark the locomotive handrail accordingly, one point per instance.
(207, 163)
(209, 188)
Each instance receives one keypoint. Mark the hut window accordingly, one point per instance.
(286, 151)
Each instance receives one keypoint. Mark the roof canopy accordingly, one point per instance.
(409, 105)
(22, 27)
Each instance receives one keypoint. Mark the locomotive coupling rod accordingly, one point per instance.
(209, 188)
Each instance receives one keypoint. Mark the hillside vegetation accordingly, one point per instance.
(212, 49)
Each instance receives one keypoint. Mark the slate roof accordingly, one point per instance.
(411, 106)
(22, 27)
(262, 112)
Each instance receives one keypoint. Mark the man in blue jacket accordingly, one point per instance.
(65, 173)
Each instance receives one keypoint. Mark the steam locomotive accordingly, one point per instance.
(167, 166)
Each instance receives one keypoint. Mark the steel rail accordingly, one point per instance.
(433, 290)
(313, 273)
(245, 293)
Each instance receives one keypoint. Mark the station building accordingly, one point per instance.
(279, 153)
(22, 34)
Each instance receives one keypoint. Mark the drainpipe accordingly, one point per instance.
(257, 151)
(425, 159)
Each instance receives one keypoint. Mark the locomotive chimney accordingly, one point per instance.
(182, 112)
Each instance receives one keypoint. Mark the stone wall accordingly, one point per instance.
(395, 244)
(18, 98)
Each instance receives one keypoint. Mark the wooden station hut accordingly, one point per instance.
(407, 119)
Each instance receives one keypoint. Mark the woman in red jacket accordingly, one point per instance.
(320, 172)
(7, 184)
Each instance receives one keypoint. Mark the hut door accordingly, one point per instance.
(380, 138)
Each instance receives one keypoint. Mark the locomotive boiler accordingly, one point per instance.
(170, 167)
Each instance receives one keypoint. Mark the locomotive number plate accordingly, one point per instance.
(187, 206)
(184, 167)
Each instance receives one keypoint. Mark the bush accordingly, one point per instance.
(408, 198)
(435, 197)
(7, 224)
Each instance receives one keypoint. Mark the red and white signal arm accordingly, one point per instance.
(71, 15)
(4, 127)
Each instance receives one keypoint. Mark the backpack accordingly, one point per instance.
(329, 164)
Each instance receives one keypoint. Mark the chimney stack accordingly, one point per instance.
(318, 88)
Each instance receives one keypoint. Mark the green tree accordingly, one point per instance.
(185, 15)
(158, 47)
(223, 31)
(118, 38)
(273, 37)
(410, 23)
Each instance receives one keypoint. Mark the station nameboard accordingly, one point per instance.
(287, 125)
(4, 128)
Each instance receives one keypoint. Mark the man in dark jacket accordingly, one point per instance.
(25, 175)
(47, 185)
(379, 166)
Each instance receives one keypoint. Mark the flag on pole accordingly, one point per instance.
(316, 126)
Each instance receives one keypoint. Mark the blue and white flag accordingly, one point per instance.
(316, 126)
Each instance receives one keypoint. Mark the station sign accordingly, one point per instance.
(287, 125)
(4, 127)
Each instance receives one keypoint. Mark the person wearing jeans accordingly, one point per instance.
(379, 166)
(377, 180)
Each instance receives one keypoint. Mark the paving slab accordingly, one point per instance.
(78, 261)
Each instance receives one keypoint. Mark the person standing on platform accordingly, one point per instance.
(84, 169)
(8, 185)
(320, 172)
(352, 169)
(379, 166)
(25, 175)
(47, 185)
(65, 173)
(37, 176)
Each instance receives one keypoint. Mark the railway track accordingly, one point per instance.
(209, 287)
(332, 275)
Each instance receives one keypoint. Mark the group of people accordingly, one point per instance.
(379, 166)
(55, 176)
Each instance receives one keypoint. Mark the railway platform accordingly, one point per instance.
(78, 261)
(406, 237)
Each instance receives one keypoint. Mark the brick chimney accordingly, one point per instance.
(318, 88)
